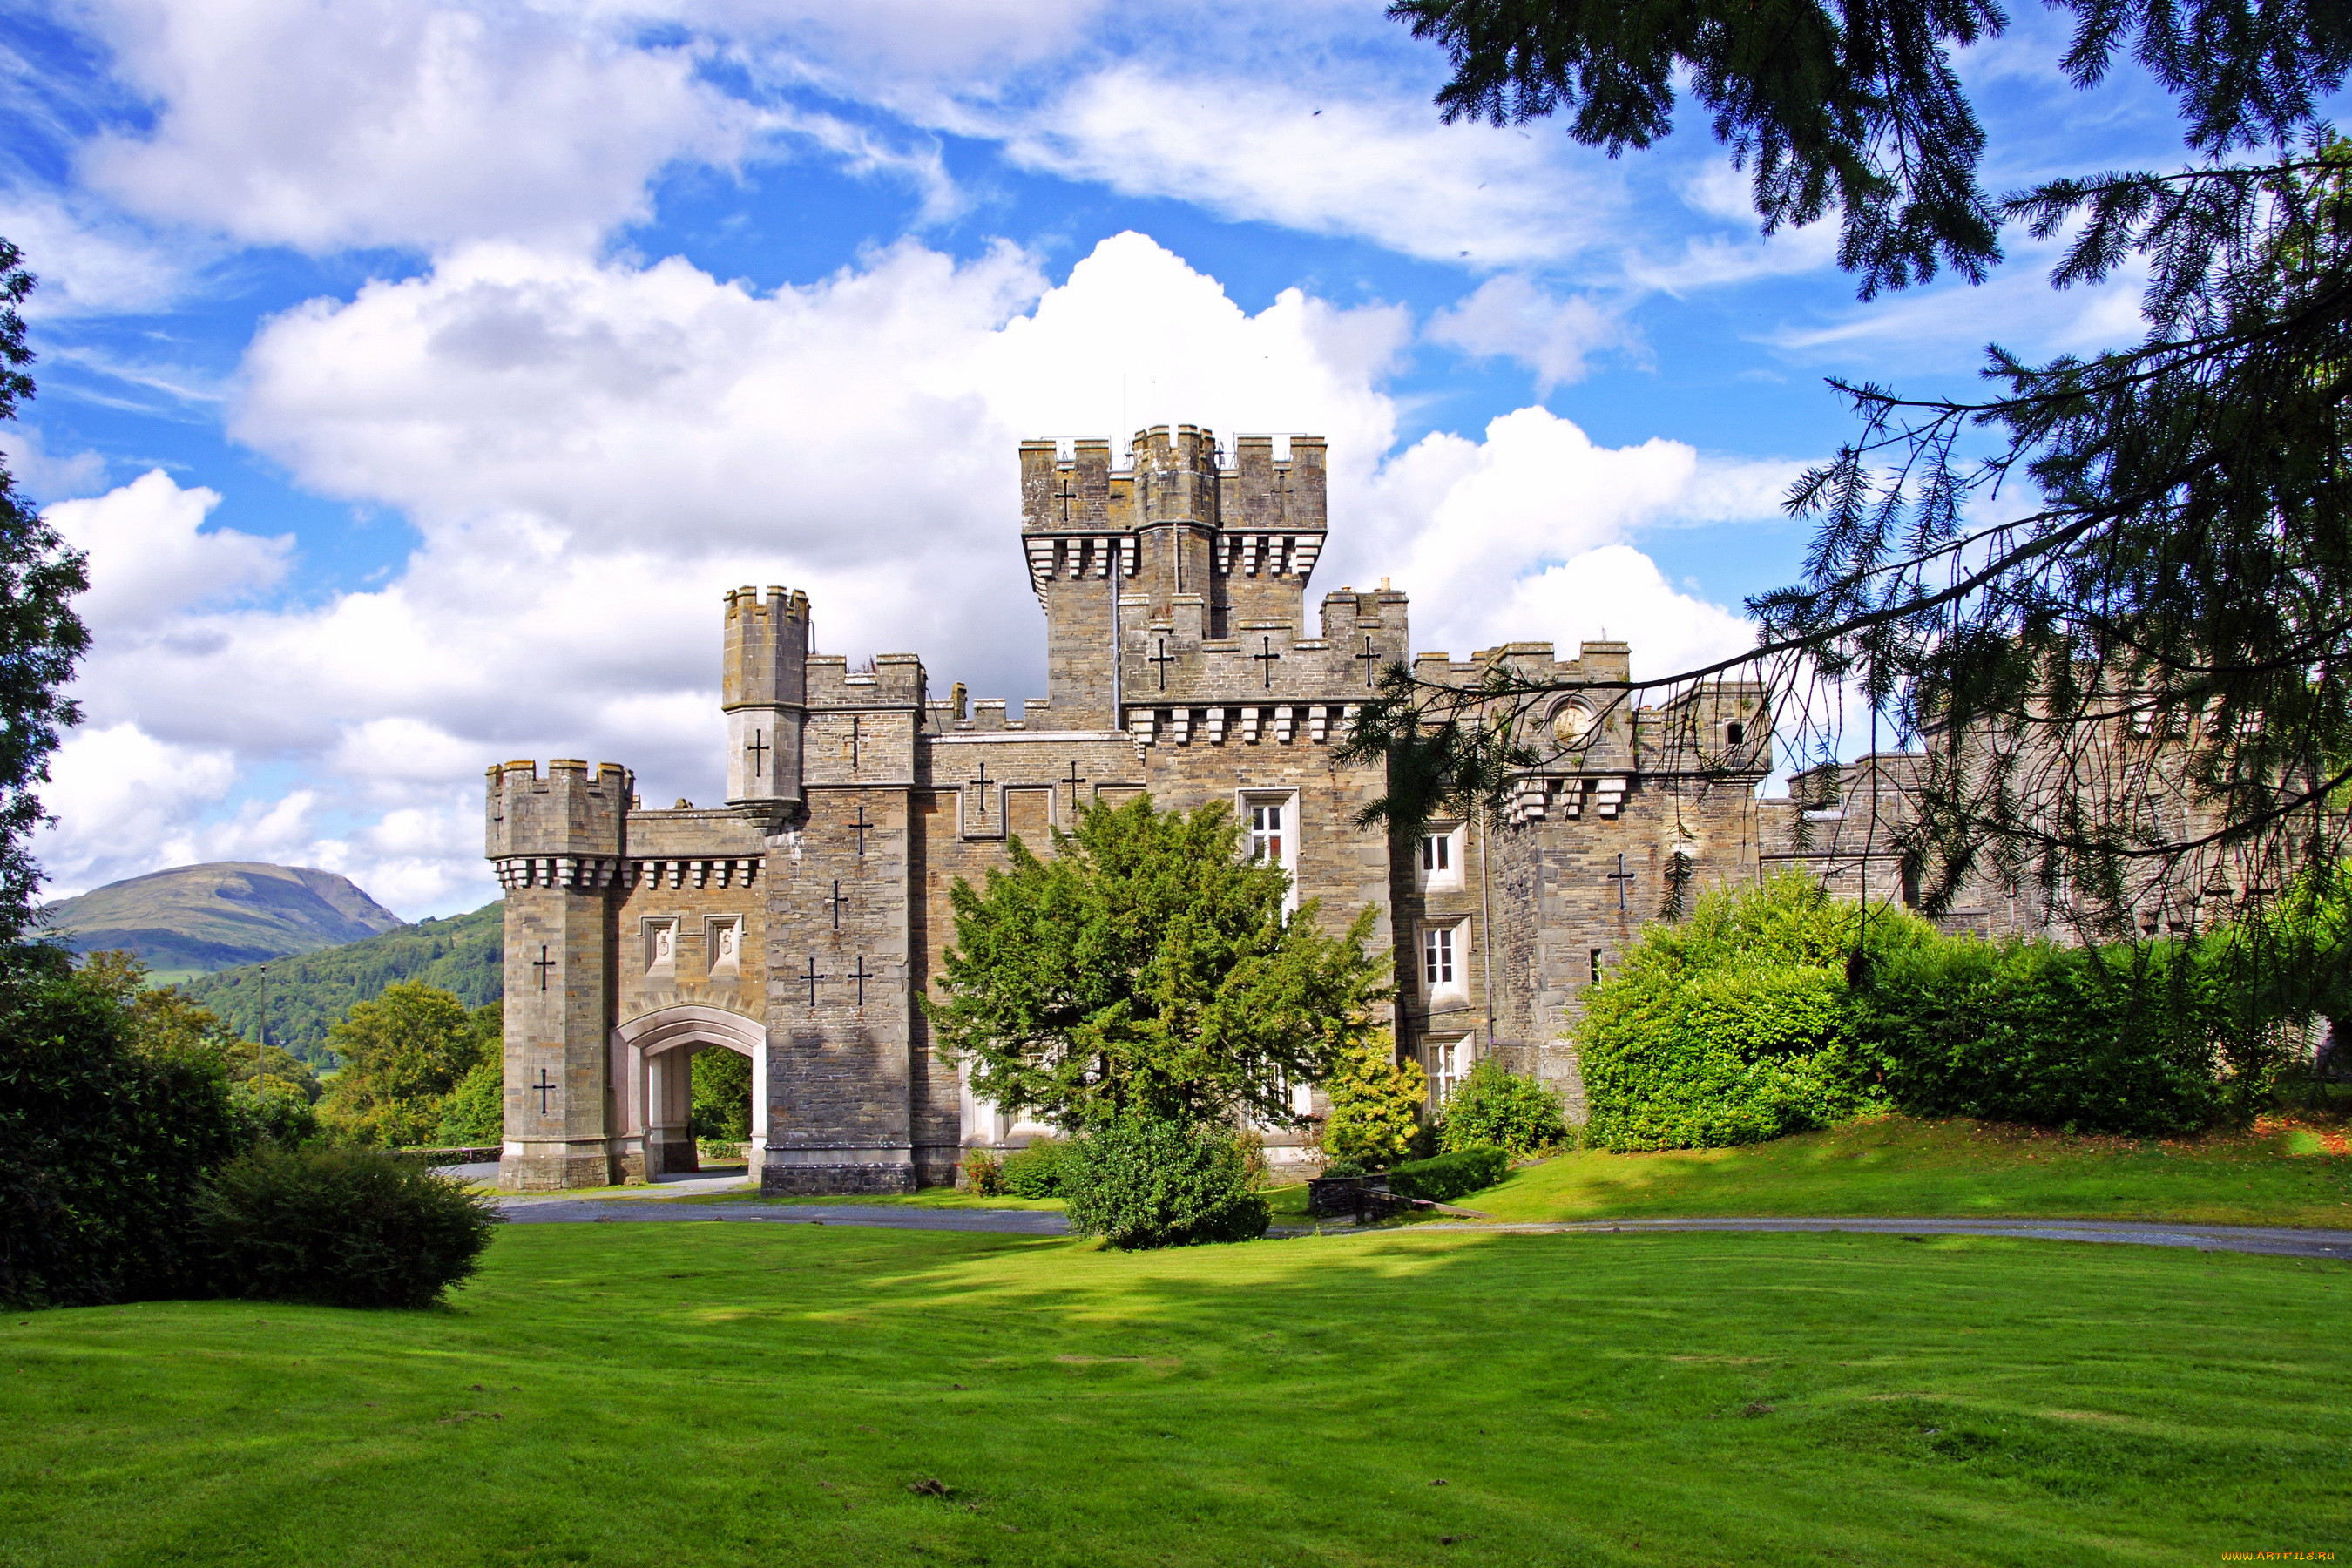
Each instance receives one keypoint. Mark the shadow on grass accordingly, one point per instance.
(741, 1392)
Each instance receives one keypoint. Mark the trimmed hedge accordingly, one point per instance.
(1739, 1025)
(1731, 1027)
(1140, 1184)
(340, 1228)
(1450, 1177)
(2124, 1040)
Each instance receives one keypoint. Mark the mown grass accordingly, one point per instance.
(2280, 1172)
(754, 1393)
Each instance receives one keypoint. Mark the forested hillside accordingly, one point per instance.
(309, 992)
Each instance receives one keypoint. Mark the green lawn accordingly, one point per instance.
(700, 1394)
(2279, 1174)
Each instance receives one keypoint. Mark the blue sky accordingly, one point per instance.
(418, 376)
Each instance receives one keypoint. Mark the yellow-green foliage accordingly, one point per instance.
(402, 1053)
(1376, 1104)
(1729, 1027)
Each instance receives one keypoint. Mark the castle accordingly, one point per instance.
(799, 923)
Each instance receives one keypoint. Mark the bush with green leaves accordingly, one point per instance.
(102, 1144)
(1140, 1183)
(2125, 1039)
(1036, 1172)
(1495, 1106)
(1731, 1027)
(340, 1228)
(1445, 1177)
(1376, 1105)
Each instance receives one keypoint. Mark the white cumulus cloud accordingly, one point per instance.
(1512, 317)
(380, 122)
(149, 554)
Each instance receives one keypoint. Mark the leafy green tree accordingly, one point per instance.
(271, 1091)
(1493, 1105)
(2116, 575)
(722, 1095)
(41, 638)
(474, 1112)
(1376, 1105)
(1148, 969)
(102, 1145)
(402, 1053)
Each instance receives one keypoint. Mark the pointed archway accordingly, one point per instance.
(652, 1056)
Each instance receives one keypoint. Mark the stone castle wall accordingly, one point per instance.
(801, 921)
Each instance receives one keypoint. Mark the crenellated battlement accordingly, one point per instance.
(1188, 536)
(767, 647)
(571, 813)
(763, 691)
(776, 603)
(1079, 514)
(890, 680)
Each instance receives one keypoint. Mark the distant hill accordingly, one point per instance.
(464, 954)
(194, 919)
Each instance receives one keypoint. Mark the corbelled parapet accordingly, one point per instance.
(763, 689)
(568, 829)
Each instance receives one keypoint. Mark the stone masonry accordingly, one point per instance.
(798, 923)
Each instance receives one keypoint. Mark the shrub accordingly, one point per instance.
(2116, 1040)
(1036, 1172)
(1376, 1103)
(474, 1111)
(1731, 1027)
(1344, 1168)
(1449, 1176)
(982, 1173)
(1494, 1105)
(1140, 1184)
(340, 1228)
(102, 1146)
